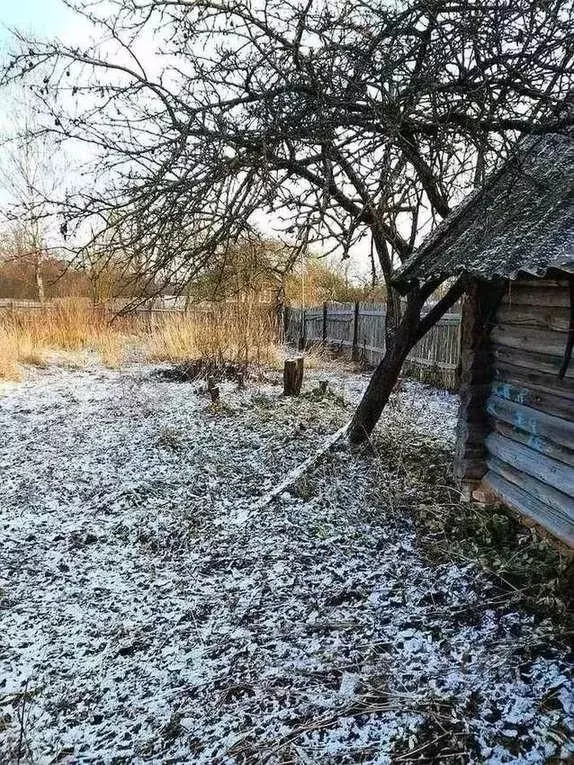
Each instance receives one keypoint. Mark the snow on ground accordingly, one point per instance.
(141, 620)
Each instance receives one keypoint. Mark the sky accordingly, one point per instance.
(51, 18)
(46, 17)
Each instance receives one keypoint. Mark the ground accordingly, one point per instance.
(152, 611)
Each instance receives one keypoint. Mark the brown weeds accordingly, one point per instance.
(236, 333)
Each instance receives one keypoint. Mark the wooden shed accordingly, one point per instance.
(514, 240)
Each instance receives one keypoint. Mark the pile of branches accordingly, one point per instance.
(217, 370)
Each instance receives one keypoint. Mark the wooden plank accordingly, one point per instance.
(541, 491)
(553, 520)
(527, 377)
(294, 474)
(534, 398)
(523, 357)
(539, 444)
(538, 295)
(447, 365)
(531, 462)
(536, 282)
(544, 342)
(556, 318)
(531, 421)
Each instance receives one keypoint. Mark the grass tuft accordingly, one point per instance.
(228, 333)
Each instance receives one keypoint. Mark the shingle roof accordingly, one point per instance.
(522, 221)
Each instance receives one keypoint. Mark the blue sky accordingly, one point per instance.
(45, 17)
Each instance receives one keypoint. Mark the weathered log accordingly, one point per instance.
(542, 491)
(475, 375)
(532, 463)
(547, 516)
(535, 398)
(544, 342)
(532, 421)
(537, 295)
(527, 377)
(293, 376)
(538, 443)
(555, 318)
(523, 357)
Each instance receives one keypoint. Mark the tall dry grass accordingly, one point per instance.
(31, 337)
(240, 333)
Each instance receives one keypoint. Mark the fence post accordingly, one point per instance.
(355, 347)
(303, 337)
(325, 323)
(286, 337)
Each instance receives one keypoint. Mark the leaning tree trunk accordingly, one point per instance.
(401, 336)
(377, 394)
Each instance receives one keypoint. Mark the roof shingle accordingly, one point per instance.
(522, 221)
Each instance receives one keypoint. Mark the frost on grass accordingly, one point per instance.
(143, 621)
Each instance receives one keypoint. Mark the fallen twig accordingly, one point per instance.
(296, 473)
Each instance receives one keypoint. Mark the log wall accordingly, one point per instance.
(529, 449)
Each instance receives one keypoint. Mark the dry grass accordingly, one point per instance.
(242, 334)
(234, 333)
(31, 337)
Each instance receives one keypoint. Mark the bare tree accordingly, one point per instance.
(343, 120)
(29, 173)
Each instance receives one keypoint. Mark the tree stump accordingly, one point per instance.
(213, 390)
(293, 376)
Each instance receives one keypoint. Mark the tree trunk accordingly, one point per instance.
(293, 376)
(401, 336)
(378, 391)
(39, 281)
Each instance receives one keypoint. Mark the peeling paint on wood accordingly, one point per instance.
(534, 398)
(538, 443)
(536, 423)
(532, 463)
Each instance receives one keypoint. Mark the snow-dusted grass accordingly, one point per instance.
(146, 615)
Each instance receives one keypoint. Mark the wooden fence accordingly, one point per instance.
(10, 306)
(360, 329)
(151, 314)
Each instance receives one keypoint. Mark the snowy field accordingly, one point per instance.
(149, 614)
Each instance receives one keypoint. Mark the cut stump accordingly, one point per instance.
(213, 390)
(293, 376)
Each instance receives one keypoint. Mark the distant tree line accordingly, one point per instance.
(252, 270)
